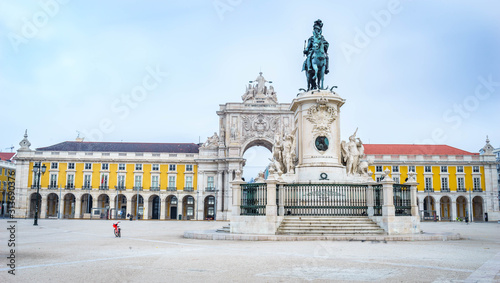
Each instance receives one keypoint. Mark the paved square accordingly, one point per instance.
(155, 251)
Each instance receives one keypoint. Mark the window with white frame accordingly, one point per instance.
(395, 169)
(121, 181)
(138, 181)
(477, 182)
(428, 182)
(154, 181)
(171, 167)
(54, 165)
(460, 183)
(71, 166)
(427, 169)
(210, 182)
(189, 167)
(411, 168)
(121, 166)
(155, 167)
(190, 211)
(190, 200)
(378, 179)
(87, 180)
(138, 167)
(460, 169)
(88, 166)
(444, 182)
(105, 166)
(378, 168)
(104, 180)
(396, 180)
(444, 169)
(171, 181)
(70, 181)
(475, 169)
(53, 180)
(189, 181)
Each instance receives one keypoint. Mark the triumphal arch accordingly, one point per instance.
(258, 120)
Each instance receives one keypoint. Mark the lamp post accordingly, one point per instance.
(39, 171)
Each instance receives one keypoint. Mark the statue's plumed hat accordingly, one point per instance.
(318, 24)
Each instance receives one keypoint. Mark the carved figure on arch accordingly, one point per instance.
(212, 141)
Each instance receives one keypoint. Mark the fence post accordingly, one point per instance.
(412, 182)
(236, 187)
(388, 191)
(271, 209)
(370, 198)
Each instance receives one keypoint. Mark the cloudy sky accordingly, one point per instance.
(423, 72)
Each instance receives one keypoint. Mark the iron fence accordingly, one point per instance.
(378, 200)
(402, 200)
(325, 199)
(253, 199)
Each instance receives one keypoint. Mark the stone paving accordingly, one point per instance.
(156, 251)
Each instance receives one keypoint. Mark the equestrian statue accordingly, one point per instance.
(316, 63)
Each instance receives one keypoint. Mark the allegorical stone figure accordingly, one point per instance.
(284, 155)
(352, 152)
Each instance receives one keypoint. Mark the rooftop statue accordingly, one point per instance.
(259, 92)
(316, 63)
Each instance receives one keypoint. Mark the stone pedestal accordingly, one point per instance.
(317, 131)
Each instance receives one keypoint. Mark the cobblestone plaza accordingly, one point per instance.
(155, 251)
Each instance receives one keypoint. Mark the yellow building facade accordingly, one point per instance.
(451, 182)
(7, 177)
(114, 180)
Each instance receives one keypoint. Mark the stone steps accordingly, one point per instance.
(328, 225)
(224, 229)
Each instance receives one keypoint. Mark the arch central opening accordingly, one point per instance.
(256, 155)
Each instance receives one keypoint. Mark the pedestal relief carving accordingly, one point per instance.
(321, 116)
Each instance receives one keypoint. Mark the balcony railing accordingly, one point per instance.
(477, 190)
(188, 189)
(70, 187)
(171, 188)
(461, 190)
(429, 190)
(103, 188)
(120, 188)
(154, 189)
(87, 187)
(210, 189)
(137, 188)
(445, 190)
(52, 187)
(34, 187)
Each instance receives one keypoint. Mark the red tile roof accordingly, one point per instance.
(122, 147)
(6, 155)
(414, 149)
